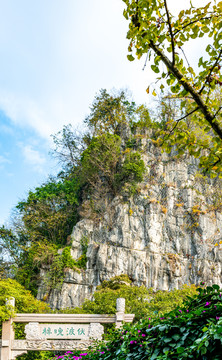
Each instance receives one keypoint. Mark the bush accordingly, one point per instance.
(24, 300)
(193, 331)
(140, 301)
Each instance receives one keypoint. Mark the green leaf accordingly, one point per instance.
(167, 340)
(216, 287)
(176, 337)
(180, 350)
(130, 57)
(162, 328)
(155, 68)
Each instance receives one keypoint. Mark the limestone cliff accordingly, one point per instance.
(169, 233)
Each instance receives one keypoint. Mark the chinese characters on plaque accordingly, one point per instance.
(64, 331)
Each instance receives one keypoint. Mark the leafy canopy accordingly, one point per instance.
(191, 331)
(24, 300)
(96, 166)
(140, 301)
(154, 31)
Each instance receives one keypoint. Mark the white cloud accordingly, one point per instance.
(4, 160)
(33, 157)
(24, 112)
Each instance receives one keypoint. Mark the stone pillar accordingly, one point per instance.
(120, 312)
(7, 334)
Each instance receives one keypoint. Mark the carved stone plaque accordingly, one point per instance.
(36, 331)
(96, 331)
(32, 331)
(20, 345)
(64, 331)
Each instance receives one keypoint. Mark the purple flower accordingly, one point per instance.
(180, 311)
(187, 310)
(149, 318)
(207, 303)
(131, 342)
(204, 311)
(102, 352)
(143, 335)
(217, 317)
(139, 331)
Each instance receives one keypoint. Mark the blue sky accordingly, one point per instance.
(55, 55)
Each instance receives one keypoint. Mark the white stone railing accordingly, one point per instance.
(57, 331)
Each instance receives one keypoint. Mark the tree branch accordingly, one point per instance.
(190, 23)
(211, 166)
(189, 88)
(211, 70)
(217, 112)
(171, 33)
(178, 120)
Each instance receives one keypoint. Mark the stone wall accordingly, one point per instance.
(167, 235)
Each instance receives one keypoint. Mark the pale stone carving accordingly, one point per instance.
(120, 305)
(17, 353)
(32, 331)
(96, 331)
(51, 344)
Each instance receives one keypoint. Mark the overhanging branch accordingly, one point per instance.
(178, 120)
(211, 70)
(171, 32)
(189, 88)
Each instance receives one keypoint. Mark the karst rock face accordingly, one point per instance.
(166, 235)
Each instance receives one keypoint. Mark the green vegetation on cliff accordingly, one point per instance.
(96, 166)
(103, 162)
(140, 301)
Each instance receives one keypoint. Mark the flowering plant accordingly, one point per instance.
(191, 331)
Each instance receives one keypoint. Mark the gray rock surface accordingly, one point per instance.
(167, 235)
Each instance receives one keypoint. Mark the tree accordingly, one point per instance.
(41, 225)
(140, 301)
(154, 31)
(109, 112)
(68, 145)
(96, 166)
(49, 212)
(24, 300)
(11, 247)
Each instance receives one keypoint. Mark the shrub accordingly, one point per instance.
(193, 331)
(24, 300)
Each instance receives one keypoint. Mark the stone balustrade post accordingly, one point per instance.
(120, 312)
(7, 334)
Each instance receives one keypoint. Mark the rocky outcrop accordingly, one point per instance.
(166, 235)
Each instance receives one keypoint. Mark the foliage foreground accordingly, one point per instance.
(191, 331)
